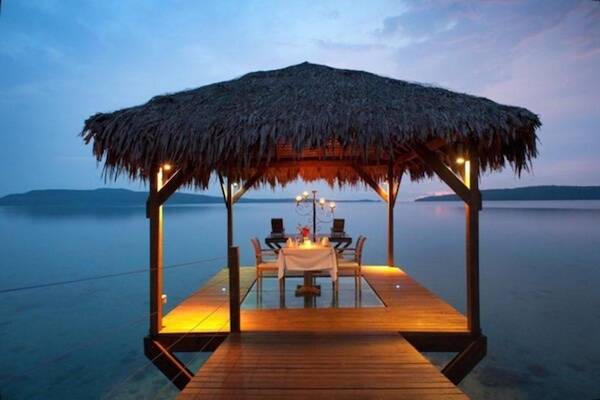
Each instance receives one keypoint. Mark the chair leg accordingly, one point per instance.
(259, 282)
(281, 288)
(282, 292)
(359, 286)
(334, 292)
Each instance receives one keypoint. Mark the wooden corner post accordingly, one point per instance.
(391, 202)
(468, 190)
(472, 243)
(229, 199)
(229, 206)
(154, 212)
(388, 197)
(233, 262)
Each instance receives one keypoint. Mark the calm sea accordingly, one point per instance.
(540, 290)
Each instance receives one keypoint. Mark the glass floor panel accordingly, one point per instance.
(268, 297)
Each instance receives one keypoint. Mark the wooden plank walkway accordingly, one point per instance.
(409, 308)
(318, 366)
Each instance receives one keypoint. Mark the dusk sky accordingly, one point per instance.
(62, 61)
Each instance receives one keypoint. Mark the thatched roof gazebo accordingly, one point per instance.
(312, 122)
(308, 112)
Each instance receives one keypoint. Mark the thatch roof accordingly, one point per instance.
(272, 119)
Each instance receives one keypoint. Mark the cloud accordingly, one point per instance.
(422, 22)
(553, 69)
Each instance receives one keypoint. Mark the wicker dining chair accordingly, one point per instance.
(266, 261)
(350, 260)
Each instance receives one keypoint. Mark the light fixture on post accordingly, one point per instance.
(460, 155)
(303, 203)
(462, 159)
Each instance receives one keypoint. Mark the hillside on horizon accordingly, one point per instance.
(118, 197)
(530, 193)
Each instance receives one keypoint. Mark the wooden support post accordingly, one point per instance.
(464, 362)
(233, 262)
(167, 363)
(154, 211)
(472, 244)
(390, 207)
(444, 173)
(248, 184)
(229, 214)
(371, 182)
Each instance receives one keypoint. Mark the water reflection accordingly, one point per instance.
(98, 213)
(540, 268)
(269, 297)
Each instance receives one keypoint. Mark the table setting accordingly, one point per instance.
(308, 257)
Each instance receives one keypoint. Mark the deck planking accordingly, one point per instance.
(318, 366)
(409, 307)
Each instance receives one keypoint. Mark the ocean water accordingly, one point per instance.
(540, 297)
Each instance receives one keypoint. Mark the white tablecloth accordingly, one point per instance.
(307, 259)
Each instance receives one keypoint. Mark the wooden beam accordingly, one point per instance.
(447, 342)
(466, 360)
(191, 341)
(472, 247)
(170, 186)
(336, 161)
(248, 184)
(229, 198)
(154, 211)
(390, 222)
(222, 185)
(233, 262)
(446, 174)
(397, 186)
(167, 363)
(371, 182)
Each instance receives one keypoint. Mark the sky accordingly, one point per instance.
(64, 60)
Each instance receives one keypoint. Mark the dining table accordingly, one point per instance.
(308, 258)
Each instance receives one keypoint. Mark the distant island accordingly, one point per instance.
(117, 197)
(530, 193)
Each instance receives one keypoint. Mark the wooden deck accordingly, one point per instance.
(409, 307)
(318, 366)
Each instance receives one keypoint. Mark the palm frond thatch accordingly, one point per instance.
(272, 119)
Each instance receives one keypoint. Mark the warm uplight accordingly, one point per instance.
(234, 184)
(305, 194)
(460, 160)
(322, 201)
(298, 199)
(167, 167)
(332, 205)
